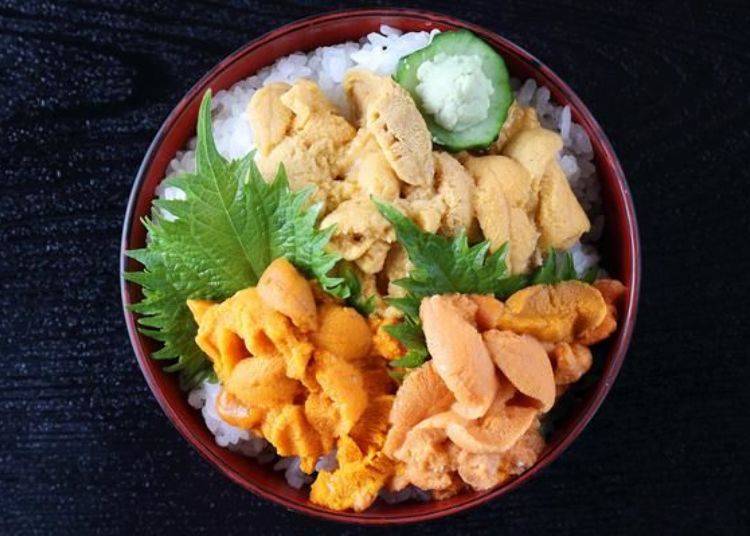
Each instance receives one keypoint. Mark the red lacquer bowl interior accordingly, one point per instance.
(620, 249)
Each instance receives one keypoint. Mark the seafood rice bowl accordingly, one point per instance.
(375, 268)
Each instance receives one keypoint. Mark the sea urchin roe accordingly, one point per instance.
(458, 354)
(289, 431)
(455, 90)
(372, 427)
(519, 118)
(489, 311)
(304, 391)
(534, 149)
(284, 289)
(455, 188)
(560, 217)
(342, 383)
(425, 452)
(612, 291)
(571, 362)
(303, 131)
(357, 481)
(245, 325)
(421, 395)
(441, 450)
(390, 115)
(496, 432)
(524, 453)
(522, 359)
(361, 234)
(271, 117)
(235, 413)
(385, 344)
(554, 313)
(445, 450)
(480, 471)
(343, 332)
(261, 382)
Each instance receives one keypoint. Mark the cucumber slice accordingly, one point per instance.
(482, 134)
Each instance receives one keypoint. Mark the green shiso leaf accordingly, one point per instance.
(231, 225)
(590, 275)
(557, 267)
(442, 265)
(365, 306)
(445, 265)
(409, 332)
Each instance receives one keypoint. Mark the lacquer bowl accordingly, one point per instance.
(620, 249)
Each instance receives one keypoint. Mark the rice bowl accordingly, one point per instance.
(327, 66)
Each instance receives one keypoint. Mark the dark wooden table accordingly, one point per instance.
(84, 448)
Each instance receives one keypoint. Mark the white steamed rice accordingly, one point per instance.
(327, 66)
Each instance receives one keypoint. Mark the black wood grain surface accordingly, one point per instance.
(84, 448)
